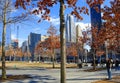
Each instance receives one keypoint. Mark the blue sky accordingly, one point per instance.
(33, 26)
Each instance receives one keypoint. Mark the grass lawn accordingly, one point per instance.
(18, 64)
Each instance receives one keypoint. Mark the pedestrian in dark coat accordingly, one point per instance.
(108, 66)
(117, 64)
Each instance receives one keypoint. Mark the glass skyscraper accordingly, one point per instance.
(70, 29)
(14, 44)
(96, 16)
(33, 39)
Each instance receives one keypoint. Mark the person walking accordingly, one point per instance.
(108, 66)
(117, 65)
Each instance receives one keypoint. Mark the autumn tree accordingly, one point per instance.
(95, 43)
(6, 18)
(108, 36)
(94, 39)
(27, 54)
(10, 53)
(39, 49)
(44, 5)
(79, 43)
(72, 51)
(52, 42)
(111, 26)
(19, 53)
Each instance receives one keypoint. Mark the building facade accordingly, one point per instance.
(70, 29)
(79, 31)
(24, 46)
(96, 20)
(33, 39)
(14, 44)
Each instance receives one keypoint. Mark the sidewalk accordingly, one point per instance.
(115, 79)
(73, 75)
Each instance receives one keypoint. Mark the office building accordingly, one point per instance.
(33, 39)
(70, 29)
(96, 20)
(24, 46)
(14, 44)
(79, 31)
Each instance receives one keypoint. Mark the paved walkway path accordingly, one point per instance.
(41, 75)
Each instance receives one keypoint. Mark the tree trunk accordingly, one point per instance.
(94, 60)
(3, 50)
(77, 46)
(39, 57)
(62, 43)
(53, 58)
(3, 43)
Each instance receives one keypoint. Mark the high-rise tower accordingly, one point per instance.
(70, 29)
(33, 39)
(96, 16)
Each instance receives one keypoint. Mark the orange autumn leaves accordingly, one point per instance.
(50, 44)
(111, 16)
(43, 7)
(15, 52)
(71, 50)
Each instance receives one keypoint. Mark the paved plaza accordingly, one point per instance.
(74, 75)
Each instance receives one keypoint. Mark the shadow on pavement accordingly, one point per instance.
(42, 79)
(114, 74)
(85, 79)
(24, 68)
(33, 79)
(46, 77)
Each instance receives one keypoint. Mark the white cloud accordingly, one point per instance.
(14, 10)
(102, 14)
(83, 25)
(55, 21)
(13, 36)
(37, 30)
(39, 15)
